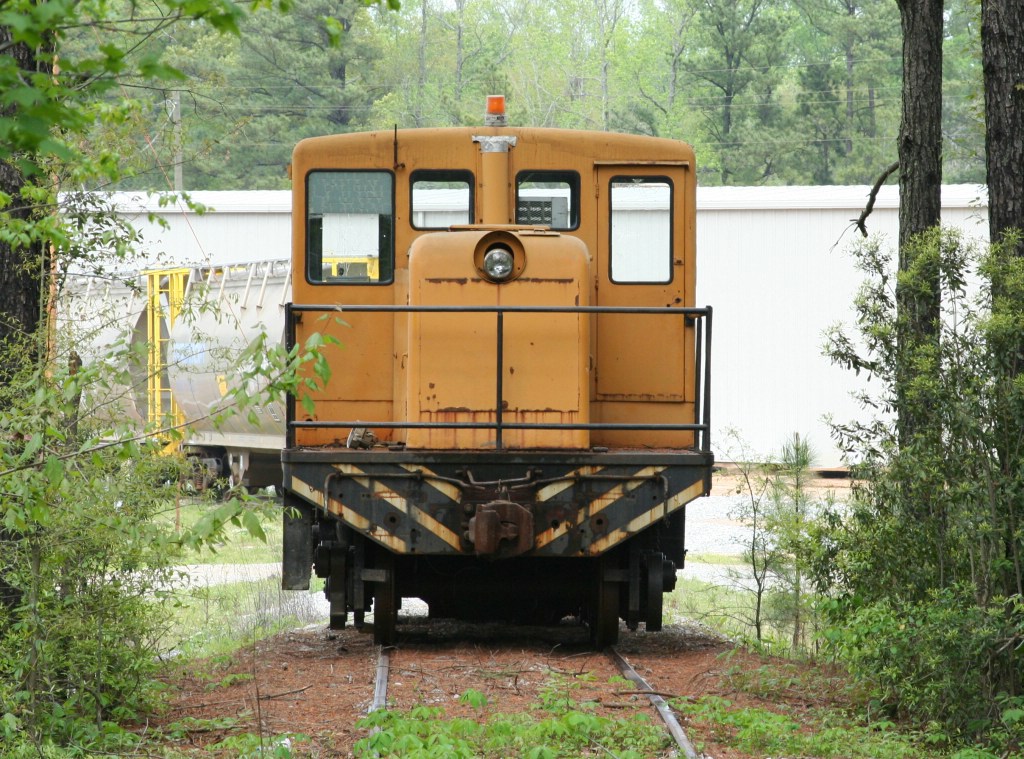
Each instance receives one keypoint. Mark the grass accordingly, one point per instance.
(763, 732)
(810, 715)
(717, 559)
(727, 608)
(213, 619)
(215, 612)
(826, 731)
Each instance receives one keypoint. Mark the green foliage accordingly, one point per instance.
(87, 548)
(181, 729)
(83, 565)
(768, 93)
(926, 563)
(251, 746)
(45, 114)
(217, 619)
(474, 698)
(790, 681)
(565, 729)
(934, 658)
(85, 559)
(229, 680)
(766, 733)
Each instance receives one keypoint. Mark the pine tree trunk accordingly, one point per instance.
(920, 139)
(1002, 45)
(19, 266)
(19, 278)
(19, 289)
(920, 160)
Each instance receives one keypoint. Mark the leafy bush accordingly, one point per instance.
(933, 660)
(86, 550)
(83, 562)
(928, 565)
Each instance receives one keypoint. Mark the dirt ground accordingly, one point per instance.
(320, 683)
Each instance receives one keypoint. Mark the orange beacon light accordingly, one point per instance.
(495, 113)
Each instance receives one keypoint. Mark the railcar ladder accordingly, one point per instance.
(165, 291)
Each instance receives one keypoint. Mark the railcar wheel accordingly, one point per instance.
(385, 604)
(338, 615)
(604, 623)
(335, 592)
(655, 588)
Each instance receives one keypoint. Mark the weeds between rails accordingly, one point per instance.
(572, 688)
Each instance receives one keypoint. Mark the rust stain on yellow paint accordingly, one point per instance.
(385, 493)
(554, 533)
(310, 492)
(351, 517)
(603, 501)
(683, 497)
(396, 544)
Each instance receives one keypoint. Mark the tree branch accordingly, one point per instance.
(860, 220)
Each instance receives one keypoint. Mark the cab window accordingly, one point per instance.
(350, 227)
(441, 199)
(548, 198)
(641, 229)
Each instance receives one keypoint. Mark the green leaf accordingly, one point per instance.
(334, 29)
(251, 522)
(474, 698)
(34, 444)
(10, 724)
(1012, 716)
(53, 470)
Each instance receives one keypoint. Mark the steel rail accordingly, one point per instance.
(664, 711)
(380, 685)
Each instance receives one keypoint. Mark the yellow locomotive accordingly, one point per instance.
(517, 413)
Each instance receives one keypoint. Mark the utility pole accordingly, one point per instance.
(179, 158)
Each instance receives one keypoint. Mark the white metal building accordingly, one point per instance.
(772, 261)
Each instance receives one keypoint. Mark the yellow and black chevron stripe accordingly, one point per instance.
(580, 505)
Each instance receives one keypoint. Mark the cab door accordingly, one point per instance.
(645, 257)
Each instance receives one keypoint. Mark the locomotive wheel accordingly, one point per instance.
(339, 616)
(604, 624)
(336, 599)
(335, 592)
(655, 586)
(385, 604)
(336, 589)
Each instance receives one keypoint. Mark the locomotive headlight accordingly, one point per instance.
(498, 263)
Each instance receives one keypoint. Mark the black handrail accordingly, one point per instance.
(702, 369)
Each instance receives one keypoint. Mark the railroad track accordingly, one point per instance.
(392, 660)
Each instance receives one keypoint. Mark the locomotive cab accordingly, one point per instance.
(516, 414)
